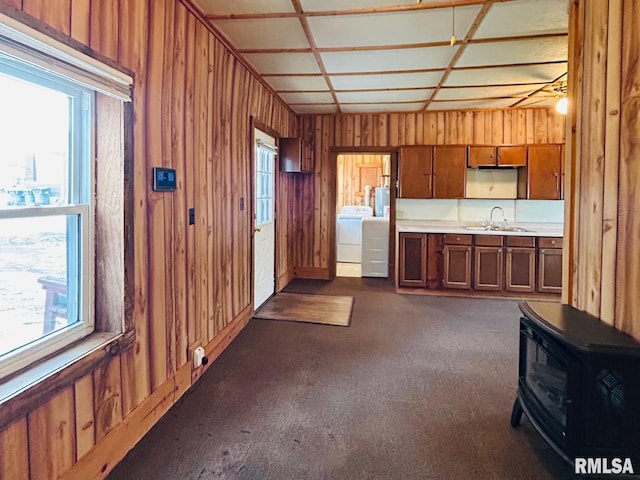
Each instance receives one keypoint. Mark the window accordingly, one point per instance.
(47, 192)
(265, 155)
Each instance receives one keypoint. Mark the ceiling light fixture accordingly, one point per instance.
(562, 106)
(453, 24)
(560, 89)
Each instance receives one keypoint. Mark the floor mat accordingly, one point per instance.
(310, 308)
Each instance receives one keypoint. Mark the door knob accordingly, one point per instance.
(257, 229)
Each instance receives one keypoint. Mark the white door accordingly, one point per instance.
(264, 271)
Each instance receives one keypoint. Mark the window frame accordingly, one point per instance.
(112, 224)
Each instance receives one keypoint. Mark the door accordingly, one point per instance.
(264, 276)
(457, 267)
(449, 172)
(414, 172)
(543, 179)
(413, 260)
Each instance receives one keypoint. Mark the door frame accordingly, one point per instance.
(333, 199)
(253, 125)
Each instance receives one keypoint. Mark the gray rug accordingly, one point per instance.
(419, 387)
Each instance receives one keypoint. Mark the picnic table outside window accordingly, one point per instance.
(55, 301)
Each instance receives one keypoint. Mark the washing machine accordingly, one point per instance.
(349, 232)
(375, 247)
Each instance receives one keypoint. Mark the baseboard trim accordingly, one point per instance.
(284, 279)
(312, 273)
(109, 451)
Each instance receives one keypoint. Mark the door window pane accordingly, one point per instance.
(265, 159)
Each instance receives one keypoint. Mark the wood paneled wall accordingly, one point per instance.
(522, 126)
(602, 271)
(193, 103)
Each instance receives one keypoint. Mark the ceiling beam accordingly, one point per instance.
(401, 46)
(354, 11)
(539, 90)
(314, 49)
(423, 70)
(463, 44)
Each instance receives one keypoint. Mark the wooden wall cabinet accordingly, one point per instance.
(488, 269)
(449, 171)
(497, 156)
(549, 265)
(457, 261)
(542, 177)
(296, 155)
(520, 264)
(415, 172)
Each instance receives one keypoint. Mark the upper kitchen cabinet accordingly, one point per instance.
(541, 179)
(497, 156)
(449, 171)
(296, 155)
(414, 172)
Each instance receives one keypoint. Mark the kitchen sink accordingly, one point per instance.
(477, 228)
(489, 228)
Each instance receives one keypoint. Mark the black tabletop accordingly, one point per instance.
(580, 329)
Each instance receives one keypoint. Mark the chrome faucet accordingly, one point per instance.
(491, 224)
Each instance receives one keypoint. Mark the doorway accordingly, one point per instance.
(264, 232)
(362, 213)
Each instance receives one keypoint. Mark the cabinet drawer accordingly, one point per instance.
(550, 242)
(455, 239)
(515, 241)
(489, 240)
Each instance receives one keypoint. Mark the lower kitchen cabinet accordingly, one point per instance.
(520, 264)
(488, 263)
(419, 260)
(494, 263)
(549, 265)
(457, 261)
(412, 268)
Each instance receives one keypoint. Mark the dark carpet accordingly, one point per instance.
(420, 387)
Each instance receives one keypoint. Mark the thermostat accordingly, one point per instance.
(164, 179)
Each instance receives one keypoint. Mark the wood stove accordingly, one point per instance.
(578, 383)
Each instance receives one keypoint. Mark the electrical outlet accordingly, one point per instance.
(198, 357)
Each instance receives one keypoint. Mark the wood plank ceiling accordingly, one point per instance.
(357, 56)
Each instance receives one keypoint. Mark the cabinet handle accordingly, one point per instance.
(553, 242)
(542, 251)
(509, 250)
(468, 249)
(499, 250)
(457, 239)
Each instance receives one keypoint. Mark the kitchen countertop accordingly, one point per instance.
(444, 226)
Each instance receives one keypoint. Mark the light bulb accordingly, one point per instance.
(562, 106)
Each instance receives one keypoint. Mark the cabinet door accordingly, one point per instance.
(542, 178)
(481, 156)
(449, 172)
(520, 269)
(414, 172)
(413, 260)
(295, 155)
(550, 270)
(512, 156)
(457, 266)
(488, 268)
(307, 157)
